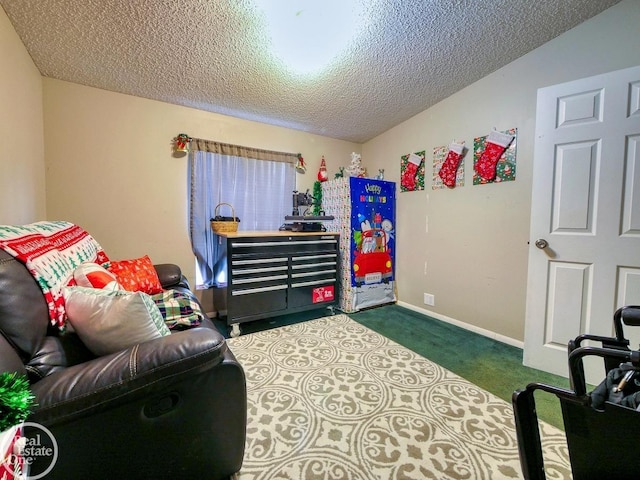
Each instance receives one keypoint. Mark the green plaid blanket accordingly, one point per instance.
(179, 309)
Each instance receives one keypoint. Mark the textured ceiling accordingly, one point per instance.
(214, 55)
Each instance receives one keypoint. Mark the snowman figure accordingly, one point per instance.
(387, 229)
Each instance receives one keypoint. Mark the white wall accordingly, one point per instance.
(110, 166)
(22, 179)
(476, 248)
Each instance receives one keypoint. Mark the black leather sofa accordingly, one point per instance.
(174, 407)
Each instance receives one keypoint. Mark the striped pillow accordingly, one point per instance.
(92, 275)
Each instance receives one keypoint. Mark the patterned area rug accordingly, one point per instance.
(331, 399)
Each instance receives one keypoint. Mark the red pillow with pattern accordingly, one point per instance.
(137, 275)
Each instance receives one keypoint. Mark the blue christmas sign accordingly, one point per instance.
(373, 228)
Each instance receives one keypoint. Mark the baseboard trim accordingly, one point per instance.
(472, 328)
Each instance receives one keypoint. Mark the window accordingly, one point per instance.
(257, 183)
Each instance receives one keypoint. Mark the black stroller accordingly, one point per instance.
(602, 427)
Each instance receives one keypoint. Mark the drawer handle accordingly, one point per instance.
(238, 281)
(309, 265)
(258, 270)
(249, 291)
(312, 274)
(258, 260)
(314, 257)
(314, 282)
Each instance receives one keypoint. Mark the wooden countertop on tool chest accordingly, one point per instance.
(273, 233)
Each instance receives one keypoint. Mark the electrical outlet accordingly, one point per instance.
(429, 299)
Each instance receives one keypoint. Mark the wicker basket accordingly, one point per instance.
(225, 226)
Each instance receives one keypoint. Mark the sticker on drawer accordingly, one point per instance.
(323, 294)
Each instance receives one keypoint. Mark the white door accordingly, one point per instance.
(586, 206)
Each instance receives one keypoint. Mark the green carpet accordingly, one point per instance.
(490, 364)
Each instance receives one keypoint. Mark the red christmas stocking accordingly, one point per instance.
(497, 143)
(408, 179)
(450, 166)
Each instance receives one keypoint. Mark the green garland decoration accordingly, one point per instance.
(16, 400)
(317, 197)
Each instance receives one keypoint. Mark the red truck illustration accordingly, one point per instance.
(372, 262)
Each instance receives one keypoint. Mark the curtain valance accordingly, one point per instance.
(239, 151)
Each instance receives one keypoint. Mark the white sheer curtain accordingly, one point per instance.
(259, 190)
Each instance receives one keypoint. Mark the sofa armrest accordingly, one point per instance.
(118, 378)
(169, 274)
(9, 359)
(175, 406)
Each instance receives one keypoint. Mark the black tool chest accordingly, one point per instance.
(275, 273)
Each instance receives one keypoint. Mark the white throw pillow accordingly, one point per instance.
(110, 321)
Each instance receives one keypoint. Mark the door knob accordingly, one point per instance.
(541, 243)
